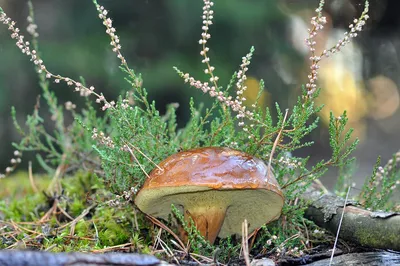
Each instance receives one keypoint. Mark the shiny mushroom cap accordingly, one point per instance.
(217, 187)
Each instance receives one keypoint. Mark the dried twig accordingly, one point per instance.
(166, 228)
(340, 224)
(245, 243)
(277, 140)
(33, 185)
(112, 248)
(77, 219)
(55, 185)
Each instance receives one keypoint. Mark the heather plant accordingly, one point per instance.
(377, 192)
(130, 137)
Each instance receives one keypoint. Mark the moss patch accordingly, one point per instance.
(23, 216)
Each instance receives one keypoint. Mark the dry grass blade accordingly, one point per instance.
(166, 228)
(144, 155)
(55, 185)
(81, 216)
(321, 186)
(113, 248)
(245, 243)
(77, 219)
(33, 185)
(50, 212)
(276, 142)
(168, 251)
(51, 247)
(155, 244)
(135, 219)
(291, 238)
(204, 258)
(178, 244)
(20, 228)
(65, 213)
(340, 224)
(137, 161)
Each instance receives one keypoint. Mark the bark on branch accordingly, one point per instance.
(365, 259)
(359, 226)
(40, 258)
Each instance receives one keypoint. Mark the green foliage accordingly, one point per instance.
(127, 141)
(370, 187)
(345, 174)
(377, 192)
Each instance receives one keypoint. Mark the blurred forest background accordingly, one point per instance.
(158, 34)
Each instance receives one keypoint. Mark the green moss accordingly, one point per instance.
(26, 209)
(382, 236)
(77, 206)
(111, 225)
(18, 185)
(114, 227)
(82, 228)
(81, 184)
(113, 234)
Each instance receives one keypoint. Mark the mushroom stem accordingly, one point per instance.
(208, 220)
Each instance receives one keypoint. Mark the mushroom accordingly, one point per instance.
(217, 187)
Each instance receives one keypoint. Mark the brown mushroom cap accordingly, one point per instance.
(218, 187)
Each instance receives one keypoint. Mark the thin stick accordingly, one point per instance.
(55, 185)
(156, 241)
(340, 224)
(65, 213)
(33, 185)
(167, 250)
(245, 243)
(51, 247)
(52, 210)
(135, 220)
(97, 232)
(137, 161)
(276, 143)
(107, 249)
(16, 226)
(155, 221)
(321, 186)
(147, 157)
(77, 219)
(193, 255)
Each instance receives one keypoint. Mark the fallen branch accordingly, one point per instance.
(359, 226)
(365, 258)
(35, 258)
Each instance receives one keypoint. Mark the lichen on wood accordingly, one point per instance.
(360, 226)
